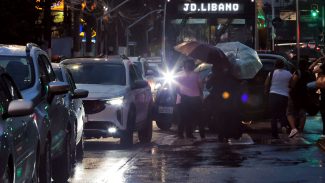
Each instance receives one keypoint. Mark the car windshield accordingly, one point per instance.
(20, 69)
(98, 73)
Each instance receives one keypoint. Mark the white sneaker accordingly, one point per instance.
(293, 133)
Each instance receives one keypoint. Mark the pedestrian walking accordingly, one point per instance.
(190, 91)
(225, 99)
(318, 68)
(298, 98)
(277, 87)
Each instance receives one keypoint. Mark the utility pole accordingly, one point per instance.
(76, 29)
(134, 23)
(163, 37)
(297, 31)
(47, 26)
(103, 33)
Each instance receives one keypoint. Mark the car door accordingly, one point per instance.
(24, 134)
(138, 94)
(57, 112)
(76, 104)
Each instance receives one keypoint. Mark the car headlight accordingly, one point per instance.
(118, 101)
(169, 77)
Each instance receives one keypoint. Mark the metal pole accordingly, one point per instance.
(256, 35)
(135, 22)
(163, 40)
(273, 31)
(297, 31)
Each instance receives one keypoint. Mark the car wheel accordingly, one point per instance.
(126, 139)
(45, 164)
(7, 176)
(62, 165)
(163, 125)
(145, 134)
(80, 149)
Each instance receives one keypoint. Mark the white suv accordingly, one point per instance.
(119, 100)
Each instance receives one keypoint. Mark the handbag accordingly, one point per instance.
(320, 81)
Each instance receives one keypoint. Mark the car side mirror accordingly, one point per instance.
(80, 93)
(20, 108)
(140, 84)
(57, 88)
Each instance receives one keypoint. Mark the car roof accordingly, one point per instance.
(276, 56)
(55, 65)
(12, 50)
(114, 60)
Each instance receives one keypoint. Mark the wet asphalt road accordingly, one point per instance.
(168, 159)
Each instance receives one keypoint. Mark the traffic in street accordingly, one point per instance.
(155, 91)
(168, 159)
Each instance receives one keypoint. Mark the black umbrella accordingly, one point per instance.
(204, 52)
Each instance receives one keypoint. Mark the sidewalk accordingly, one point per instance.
(261, 133)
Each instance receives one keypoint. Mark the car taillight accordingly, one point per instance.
(93, 106)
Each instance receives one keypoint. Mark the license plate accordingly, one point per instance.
(165, 110)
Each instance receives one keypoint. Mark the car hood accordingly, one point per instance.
(103, 91)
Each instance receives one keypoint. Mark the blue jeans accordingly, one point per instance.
(278, 107)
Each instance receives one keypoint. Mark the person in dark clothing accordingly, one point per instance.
(298, 98)
(225, 96)
(319, 67)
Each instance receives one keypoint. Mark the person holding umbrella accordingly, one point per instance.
(225, 96)
(225, 81)
(190, 90)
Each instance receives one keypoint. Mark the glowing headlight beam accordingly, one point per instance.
(169, 77)
(112, 130)
(115, 101)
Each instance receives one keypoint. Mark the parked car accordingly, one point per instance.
(31, 70)
(19, 138)
(73, 103)
(119, 99)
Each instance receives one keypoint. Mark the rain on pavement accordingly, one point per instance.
(168, 159)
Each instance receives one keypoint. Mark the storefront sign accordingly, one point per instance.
(222, 7)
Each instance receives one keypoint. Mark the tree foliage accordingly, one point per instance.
(18, 19)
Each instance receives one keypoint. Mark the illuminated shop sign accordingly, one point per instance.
(222, 7)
